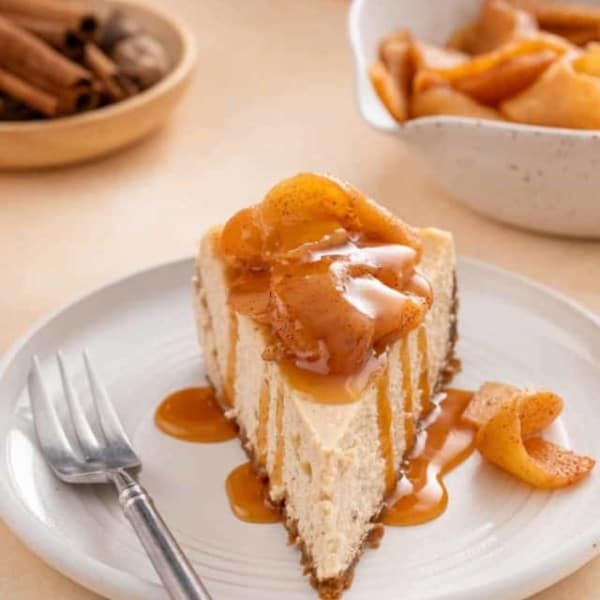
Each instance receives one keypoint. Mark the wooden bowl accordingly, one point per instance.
(67, 140)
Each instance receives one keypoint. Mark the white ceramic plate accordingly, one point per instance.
(498, 540)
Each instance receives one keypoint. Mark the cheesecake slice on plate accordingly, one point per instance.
(327, 326)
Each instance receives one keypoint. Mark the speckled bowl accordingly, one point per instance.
(539, 178)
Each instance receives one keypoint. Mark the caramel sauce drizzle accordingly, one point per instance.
(249, 497)
(330, 389)
(407, 391)
(384, 413)
(263, 419)
(421, 495)
(231, 359)
(277, 477)
(424, 388)
(194, 415)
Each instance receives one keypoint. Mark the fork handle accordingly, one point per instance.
(173, 568)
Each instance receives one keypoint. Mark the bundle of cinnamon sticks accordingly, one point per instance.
(58, 58)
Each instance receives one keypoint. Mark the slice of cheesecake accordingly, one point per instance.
(286, 295)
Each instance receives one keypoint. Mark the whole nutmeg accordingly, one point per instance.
(141, 58)
(118, 27)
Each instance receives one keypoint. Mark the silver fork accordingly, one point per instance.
(106, 456)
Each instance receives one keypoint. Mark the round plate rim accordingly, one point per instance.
(106, 580)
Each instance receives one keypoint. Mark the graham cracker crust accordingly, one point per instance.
(334, 587)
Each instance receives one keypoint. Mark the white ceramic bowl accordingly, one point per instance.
(540, 178)
(34, 144)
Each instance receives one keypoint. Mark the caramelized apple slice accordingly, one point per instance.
(500, 441)
(561, 97)
(488, 400)
(296, 210)
(305, 209)
(395, 53)
(537, 408)
(428, 57)
(442, 100)
(397, 59)
(498, 24)
(394, 98)
(462, 39)
(393, 313)
(425, 80)
(302, 209)
(242, 240)
(549, 14)
(317, 324)
(505, 79)
(380, 225)
(589, 61)
(392, 74)
(485, 62)
(402, 36)
(580, 36)
(563, 465)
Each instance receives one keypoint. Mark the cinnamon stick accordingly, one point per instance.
(77, 99)
(105, 69)
(71, 100)
(23, 53)
(28, 94)
(72, 14)
(55, 33)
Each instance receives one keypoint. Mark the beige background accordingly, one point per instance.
(273, 96)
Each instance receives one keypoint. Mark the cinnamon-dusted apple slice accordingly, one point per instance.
(536, 461)
(537, 408)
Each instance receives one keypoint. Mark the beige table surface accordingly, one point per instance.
(273, 96)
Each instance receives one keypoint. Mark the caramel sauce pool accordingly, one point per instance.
(421, 495)
(194, 415)
(248, 496)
